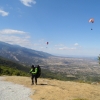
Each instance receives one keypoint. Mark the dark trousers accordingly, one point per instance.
(34, 77)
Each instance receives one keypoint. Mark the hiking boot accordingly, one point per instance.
(32, 84)
(36, 83)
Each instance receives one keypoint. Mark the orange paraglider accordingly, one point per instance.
(91, 20)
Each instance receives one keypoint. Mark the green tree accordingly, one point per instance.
(99, 58)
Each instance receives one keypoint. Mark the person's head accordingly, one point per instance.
(32, 66)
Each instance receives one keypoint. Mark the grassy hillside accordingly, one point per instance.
(8, 67)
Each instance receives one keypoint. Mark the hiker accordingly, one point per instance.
(33, 72)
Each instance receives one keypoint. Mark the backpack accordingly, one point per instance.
(38, 71)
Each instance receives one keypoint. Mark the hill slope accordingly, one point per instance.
(8, 67)
(59, 90)
(21, 54)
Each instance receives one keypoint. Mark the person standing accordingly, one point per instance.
(33, 72)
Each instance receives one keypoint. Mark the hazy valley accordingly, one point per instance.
(82, 68)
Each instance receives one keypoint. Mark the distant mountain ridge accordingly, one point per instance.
(22, 54)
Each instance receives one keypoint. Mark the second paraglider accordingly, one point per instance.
(91, 20)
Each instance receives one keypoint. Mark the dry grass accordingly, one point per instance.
(58, 90)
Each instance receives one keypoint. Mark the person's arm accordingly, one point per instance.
(35, 71)
(31, 70)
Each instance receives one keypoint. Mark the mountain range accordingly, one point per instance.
(22, 55)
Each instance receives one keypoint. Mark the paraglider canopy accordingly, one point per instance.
(91, 20)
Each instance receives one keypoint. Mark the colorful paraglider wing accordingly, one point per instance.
(91, 20)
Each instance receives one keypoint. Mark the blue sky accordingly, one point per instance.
(62, 23)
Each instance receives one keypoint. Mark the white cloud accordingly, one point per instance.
(11, 31)
(14, 40)
(76, 44)
(66, 48)
(28, 2)
(3, 13)
(59, 45)
(15, 37)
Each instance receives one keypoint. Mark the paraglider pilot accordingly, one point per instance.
(33, 72)
(91, 21)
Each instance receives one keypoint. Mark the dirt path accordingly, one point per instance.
(10, 91)
(59, 90)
